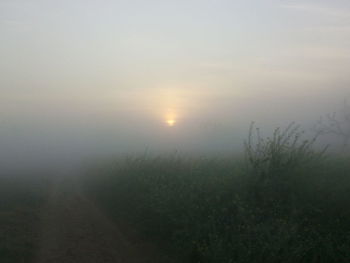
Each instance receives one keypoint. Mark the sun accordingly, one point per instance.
(171, 122)
(171, 118)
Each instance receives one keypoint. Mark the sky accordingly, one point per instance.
(83, 77)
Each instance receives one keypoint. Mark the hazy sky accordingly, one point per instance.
(110, 74)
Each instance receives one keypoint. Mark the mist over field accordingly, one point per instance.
(86, 78)
(192, 131)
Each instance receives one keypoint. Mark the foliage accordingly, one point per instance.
(273, 161)
(286, 203)
(284, 151)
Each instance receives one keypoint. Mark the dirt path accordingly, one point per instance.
(74, 230)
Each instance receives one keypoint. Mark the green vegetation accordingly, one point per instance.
(284, 202)
(21, 200)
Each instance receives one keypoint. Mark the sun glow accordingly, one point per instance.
(171, 118)
(171, 122)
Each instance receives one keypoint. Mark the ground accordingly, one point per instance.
(75, 230)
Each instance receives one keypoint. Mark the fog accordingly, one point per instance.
(83, 79)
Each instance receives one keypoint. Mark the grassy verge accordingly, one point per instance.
(21, 199)
(285, 203)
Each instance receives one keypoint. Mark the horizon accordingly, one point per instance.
(89, 77)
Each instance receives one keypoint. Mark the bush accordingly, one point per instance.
(287, 203)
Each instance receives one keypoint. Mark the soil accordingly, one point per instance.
(75, 230)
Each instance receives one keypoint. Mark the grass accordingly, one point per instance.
(281, 202)
(21, 200)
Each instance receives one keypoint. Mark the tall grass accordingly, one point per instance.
(273, 163)
(285, 203)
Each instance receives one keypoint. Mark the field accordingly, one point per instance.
(281, 201)
(21, 202)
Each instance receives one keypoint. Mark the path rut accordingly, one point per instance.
(75, 230)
